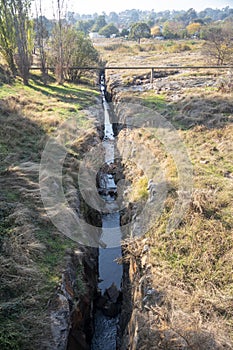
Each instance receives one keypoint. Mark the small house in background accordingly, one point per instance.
(95, 35)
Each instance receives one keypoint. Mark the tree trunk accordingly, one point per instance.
(60, 76)
(19, 13)
(11, 62)
(41, 45)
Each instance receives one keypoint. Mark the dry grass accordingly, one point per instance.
(32, 251)
(190, 269)
(148, 53)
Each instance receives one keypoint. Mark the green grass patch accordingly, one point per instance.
(12, 196)
(139, 191)
(28, 113)
(75, 96)
(11, 338)
(56, 246)
(154, 101)
(79, 96)
(52, 260)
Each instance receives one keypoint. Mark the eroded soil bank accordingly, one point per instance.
(172, 295)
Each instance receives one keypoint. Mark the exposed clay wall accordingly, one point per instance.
(71, 309)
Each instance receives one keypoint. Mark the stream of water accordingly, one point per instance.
(110, 273)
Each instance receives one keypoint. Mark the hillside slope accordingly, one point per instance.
(181, 281)
(34, 254)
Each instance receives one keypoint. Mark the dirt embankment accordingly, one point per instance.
(48, 281)
(178, 283)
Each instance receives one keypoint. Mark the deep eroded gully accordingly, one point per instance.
(97, 320)
(100, 314)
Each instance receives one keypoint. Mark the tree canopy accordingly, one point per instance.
(16, 35)
(139, 30)
(78, 51)
(100, 22)
(85, 26)
(219, 45)
(193, 28)
(7, 35)
(109, 30)
(156, 31)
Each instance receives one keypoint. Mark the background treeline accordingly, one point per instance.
(123, 20)
(63, 42)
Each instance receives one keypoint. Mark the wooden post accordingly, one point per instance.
(152, 76)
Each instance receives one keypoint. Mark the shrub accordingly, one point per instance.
(180, 47)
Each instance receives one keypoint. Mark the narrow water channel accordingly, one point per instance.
(110, 272)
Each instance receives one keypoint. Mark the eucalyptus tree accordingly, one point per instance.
(78, 51)
(16, 35)
(139, 30)
(108, 30)
(57, 43)
(7, 35)
(23, 31)
(60, 62)
(41, 35)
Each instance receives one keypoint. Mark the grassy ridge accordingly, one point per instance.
(190, 268)
(32, 250)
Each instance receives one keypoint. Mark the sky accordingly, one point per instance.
(92, 6)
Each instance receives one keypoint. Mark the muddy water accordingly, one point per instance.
(110, 273)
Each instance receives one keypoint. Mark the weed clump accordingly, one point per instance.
(225, 84)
